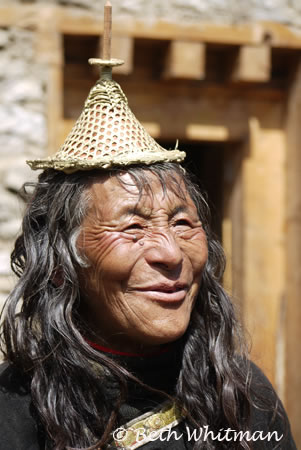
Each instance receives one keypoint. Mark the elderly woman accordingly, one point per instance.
(118, 333)
(119, 313)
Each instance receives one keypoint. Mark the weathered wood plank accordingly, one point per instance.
(232, 231)
(210, 132)
(49, 52)
(263, 220)
(293, 228)
(186, 60)
(252, 64)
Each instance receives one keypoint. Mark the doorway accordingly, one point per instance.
(206, 162)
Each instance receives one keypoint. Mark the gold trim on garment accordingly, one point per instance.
(147, 427)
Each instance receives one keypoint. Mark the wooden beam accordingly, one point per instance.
(233, 226)
(206, 132)
(263, 219)
(206, 113)
(49, 52)
(55, 108)
(72, 21)
(48, 41)
(293, 227)
(186, 60)
(252, 64)
(123, 48)
(240, 34)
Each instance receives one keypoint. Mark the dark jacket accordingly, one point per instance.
(20, 428)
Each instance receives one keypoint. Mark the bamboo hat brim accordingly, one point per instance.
(107, 134)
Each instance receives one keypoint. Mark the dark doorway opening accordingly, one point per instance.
(206, 162)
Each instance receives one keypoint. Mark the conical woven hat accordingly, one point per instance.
(107, 134)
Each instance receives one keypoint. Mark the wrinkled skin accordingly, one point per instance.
(146, 261)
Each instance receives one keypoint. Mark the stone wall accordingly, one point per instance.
(22, 133)
(219, 11)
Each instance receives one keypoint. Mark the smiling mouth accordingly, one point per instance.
(163, 293)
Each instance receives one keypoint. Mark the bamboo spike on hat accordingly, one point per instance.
(107, 134)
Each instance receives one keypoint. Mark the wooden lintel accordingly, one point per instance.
(74, 21)
(186, 60)
(194, 132)
(252, 64)
(123, 48)
(209, 114)
(215, 133)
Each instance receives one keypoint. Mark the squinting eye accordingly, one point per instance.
(133, 226)
(183, 222)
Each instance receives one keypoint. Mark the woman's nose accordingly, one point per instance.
(165, 252)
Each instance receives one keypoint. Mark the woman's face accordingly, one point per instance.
(146, 260)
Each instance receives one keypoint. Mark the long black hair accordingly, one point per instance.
(43, 334)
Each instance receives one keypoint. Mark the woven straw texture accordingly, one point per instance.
(107, 134)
